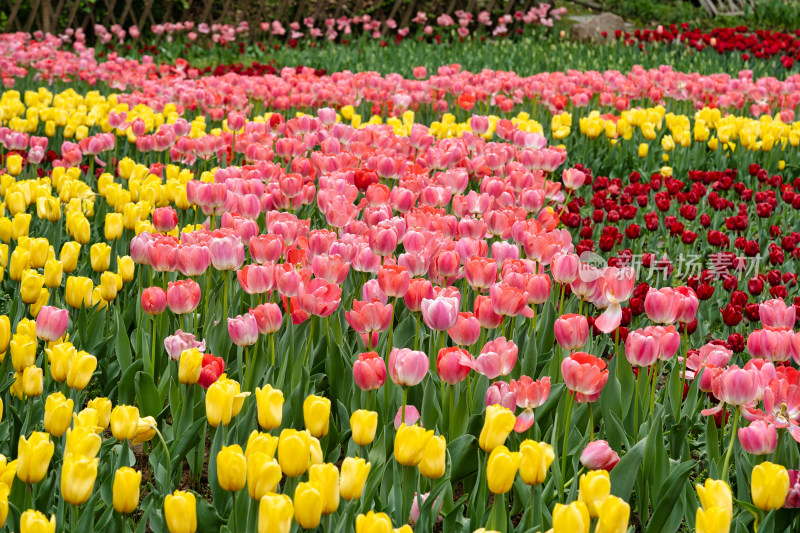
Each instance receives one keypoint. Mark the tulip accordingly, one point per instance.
(467, 329)
(5, 333)
(641, 348)
(536, 458)
(190, 366)
(269, 402)
(165, 219)
(275, 513)
(57, 414)
(325, 477)
(78, 474)
(69, 256)
(126, 486)
(440, 313)
(243, 330)
(508, 300)
(100, 256)
(33, 457)
(571, 331)
(294, 452)
(564, 268)
(319, 297)
(498, 425)
(227, 253)
(497, 358)
(454, 364)
(31, 286)
(219, 403)
(572, 518)
(79, 292)
(145, 430)
(769, 486)
(231, 468)
(407, 367)
(394, 280)
(4, 492)
(82, 440)
(180, 512)
(759, 438)
(108, 286)
(51, 323)
(23, 351)
(53, 273)
(32, 382)
(102, 406)
(263, 475)
(353, 477)
(183, 296)
(268, 318)
(154, 300)
(585, 375)
(308, 504)
(661, 305)
(258, 442)
(776, 314)
(614, 516)
(712, 520)
(8, 471)
(598, 455)
(373, 522)
(409, 444)
(316, 415)
(36, 522)
(113, 226)
(501, 469)
(595, 487)
(433, 463)
(176, 344)
(124, 420)
(369, 371)
(81, 370)
(363, 425)
(715, 493)
(734, 386)
(193, 259)
(255, 279)
(368, 317)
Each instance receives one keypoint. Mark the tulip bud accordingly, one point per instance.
(53, 273)
(613, 516)
(275, 513)
(33, 457)
(190, 366)
(496, 428)
(102, 406)
(536, 459)
(126, 486)
(316, 414)
(308, 505)
(124, 421)
(715, 493)
(78, 474)
(180, 512)
(57, 414)
(32, 381)
(263, 475)
(269, 402)
(261, 443)
(100, 256)
(501, 469)
(572, 518)
(81, 370)
(353, 477)
(373, 522)
(598, 455)
(595, 487)
(36, 522)
(231, 468)
(409, 443)
(364, 424)
(325, 478)
(769, 486)
(294, 452)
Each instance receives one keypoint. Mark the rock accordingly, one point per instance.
(593, 28)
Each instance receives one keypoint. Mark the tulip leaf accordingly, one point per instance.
(404, 333)
(463, 454)
(623, 476)
(126, 388)
(674, 388)
(147, 395)
(122, 345)
(667, 498)
(548, 337)
(208, 519)
(186, 441)
(86, 522)
(610, 395)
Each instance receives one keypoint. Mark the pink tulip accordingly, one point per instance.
(183, 296)
(331, 268)
(564, 267)
(408, 416)
(687, 308)
(369, 371)
(407, 367)
(256, 279)
(227, 253)
(485, 314)
(508, 300)
(165, 219)
(530, 394)
(51, 323)
(268, 318)
(585, 375)
(176, 344)
(466, 330)
(372, 291)
(497, 358)
(394, 280)
(661, 305)
(162, 255)
(243, 330)
(617, 287)
(571, 331)
(776, 314)
(418, 290)
(154, 300)
(193, 259)
(759, 438)
(266, 248)
(537, 287)
(319, 297)
(733, 386)
(501, 393)
(440, 313)
(668, 340)
(418, 501)
(772, 344)
(367, 317)
(481, 272)
(641, 348)
(453, 364)
(598, 455)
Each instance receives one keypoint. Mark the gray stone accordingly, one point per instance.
(592, 29)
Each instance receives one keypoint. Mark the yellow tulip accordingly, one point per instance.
(32, 382)
(36, 522)
(294, 452)
(231, 468)
(501, 469)
(124, 421)
(355, 471)
(180, 512)
(57, 414)
(23, 351)
(103, 408)
(83, 440)
(60, 357)
(81, 370)
(572, 518)
(79, 228)
(433, 463)
(70, 251)
(275, 512)
(16, 387)
(79, 291)
(315, 451)
(20, 225)
(78, 474)
(145, 430)
(5, 333)
(4, 491)
(53, 273)
(498, 425)
(100, 256)
(125, 168)
(364, 424)
(90, 418)
(712, 520)
(261, 443)
(14, 164)
(614, 516)
(113, 226)
(20, 262)
(127, 482)
(219, 403)
(126, 268)
(269, 402)
(33, 457)
(715, 493)
(373, 522)
(595, 487)
(8, 471)
(316, 414)
(108, 286)
(44, 296)
(307, 505)
(325, 477)
(409, 443)
(263, 475)
(536, 459)
(190, 365)
(769, 486)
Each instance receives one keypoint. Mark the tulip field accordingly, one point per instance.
(356, 286)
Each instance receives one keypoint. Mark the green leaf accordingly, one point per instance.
(668, 496)
(463, 455)
(147, 395)
(207, 517)
(185, 442)
(122, 346)
(623, 476)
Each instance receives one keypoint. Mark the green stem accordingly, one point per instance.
(591, 423)
(272, 347)
(226, 279)
(403, 407)
(656, 374)
(568, 417)
(636, 403)
(153, 354)
(233, 512)
(390, 335)
(166, 451)
(724, 472)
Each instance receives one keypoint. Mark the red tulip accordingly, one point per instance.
(51, 323)
(183, 296)
(571, 331)
(367, 317)
(585, 375)
(154, 300)
(453, 364)
(268, 318)
(213, 368)
(369, 371)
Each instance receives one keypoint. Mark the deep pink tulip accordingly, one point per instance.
(154, 300)
(165, 219)
(183, 296)
(776, 314)
(394, 280)
(256, 279)
(508, 300)
(497, 358)
(51, 323)
(793, 498)
(661, 305)
(227, 253)
(419, 289)
(571, 331)
(268, 318)
(369, 371)
(408, 416)
(440, 313)
(407, 367)
(772, 344)
(759, 438)
(687, 308)
(266, 248)
(598, 455)
(733, 386)
(367, 317)
(193, 259)
(564, 267)
(453, 364)
(529, 394)
(501, 393)
(331, 268)
(319, 297)
(466, 330)
(180, 341)
(641, 348)
(668, 338)
(162, 255)
(485, 314)
(243, 330)
(382, 240)
(585, 375)
(481, 272)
